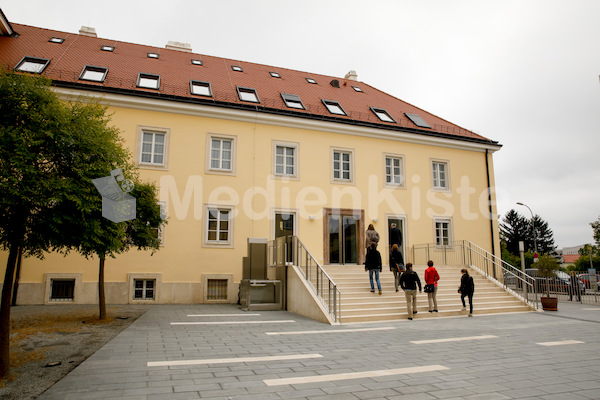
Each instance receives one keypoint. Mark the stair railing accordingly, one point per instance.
(464, 252)
(288, 250)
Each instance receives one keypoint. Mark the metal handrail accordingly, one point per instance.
(289, 249)
(464, 252)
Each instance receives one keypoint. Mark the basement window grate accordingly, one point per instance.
(216, 289)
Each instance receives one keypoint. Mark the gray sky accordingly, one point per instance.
(522, 72)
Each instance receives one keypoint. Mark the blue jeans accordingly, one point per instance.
(376, 272)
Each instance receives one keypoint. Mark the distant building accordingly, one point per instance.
(569, 255)
(244, 150)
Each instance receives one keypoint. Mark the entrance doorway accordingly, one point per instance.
(399, 221)
(343, 234)
(285, 226)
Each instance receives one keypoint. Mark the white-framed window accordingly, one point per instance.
(248, 94)
(334, 107)
(32, 64)
(148, 81)
(92, 73)
(152, 148)
(200, 88)
(285, 162)
(443, 231)
(218, 226)
(144, 289)
(221, 153)
(342, 165)
(382, 114)
(440, 174)
(394, 170)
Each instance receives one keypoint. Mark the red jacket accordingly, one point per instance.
(431, 276)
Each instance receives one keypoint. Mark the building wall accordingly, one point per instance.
(185, 262)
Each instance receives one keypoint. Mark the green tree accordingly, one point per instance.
(513, 229)
(596, 227)
(543, 234)
(49, 152)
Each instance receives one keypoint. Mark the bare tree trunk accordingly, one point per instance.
(5, 311)
(101, 299)
(17, 277)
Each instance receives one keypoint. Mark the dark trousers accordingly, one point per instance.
(462, 298)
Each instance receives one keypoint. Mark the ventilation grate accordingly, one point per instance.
(216, 289)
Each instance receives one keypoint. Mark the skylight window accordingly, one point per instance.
(334, 107)
(237, 68)
(148, 81)
(196, 62)
(32, 64)
(417, 120)
(356, 88)
(55, 39)
(91, 73)
(200, 88)
(292, 101)
(248, 94)
(107, 48)
(152, 55)
(275, 75)
(382, 114)
(311, 80)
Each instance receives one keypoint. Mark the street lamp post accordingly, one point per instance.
(533, 226)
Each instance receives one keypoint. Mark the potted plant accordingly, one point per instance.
(547, 267)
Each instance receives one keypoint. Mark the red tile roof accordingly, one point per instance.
(68, 59)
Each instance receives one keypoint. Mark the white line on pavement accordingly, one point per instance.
(459, 339)
(232, 322)
(559, 343)
(329, 331)
(231, 360)
(223, 315)
(354, 375)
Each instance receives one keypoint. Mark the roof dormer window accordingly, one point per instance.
(275, 75)
(32, 64)
(248, 94)
(237, 68)
(152, 55)
(357, 89)
(311, 80)
(107, 48)
(382, 114)
(55, 39)
(200, 88)
(334, 107)
(148, 81)
(95, 74)
(196, 62)
(292, 101)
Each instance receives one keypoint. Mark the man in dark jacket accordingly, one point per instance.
(408, 282)
(374, 266)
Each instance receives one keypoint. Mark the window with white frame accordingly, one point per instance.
(342, 165)
(218, 225)
(285, 160)
(144, 289)
(394, 174)
(439, 170)
(221, 154)
(442, 232)
(153, 146)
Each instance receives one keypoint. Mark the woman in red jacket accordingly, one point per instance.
(431, 284)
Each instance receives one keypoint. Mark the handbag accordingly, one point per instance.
(429, 288)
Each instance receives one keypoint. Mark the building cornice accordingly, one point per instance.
(290, 121)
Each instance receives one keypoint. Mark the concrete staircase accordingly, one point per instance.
(360, 305)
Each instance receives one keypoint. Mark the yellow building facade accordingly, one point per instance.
(228, 172)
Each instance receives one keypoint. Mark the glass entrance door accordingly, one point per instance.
(343, 239)
(284, 226)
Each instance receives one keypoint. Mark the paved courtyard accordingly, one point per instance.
(221, 352)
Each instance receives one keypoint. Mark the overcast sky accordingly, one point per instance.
(524, 73)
